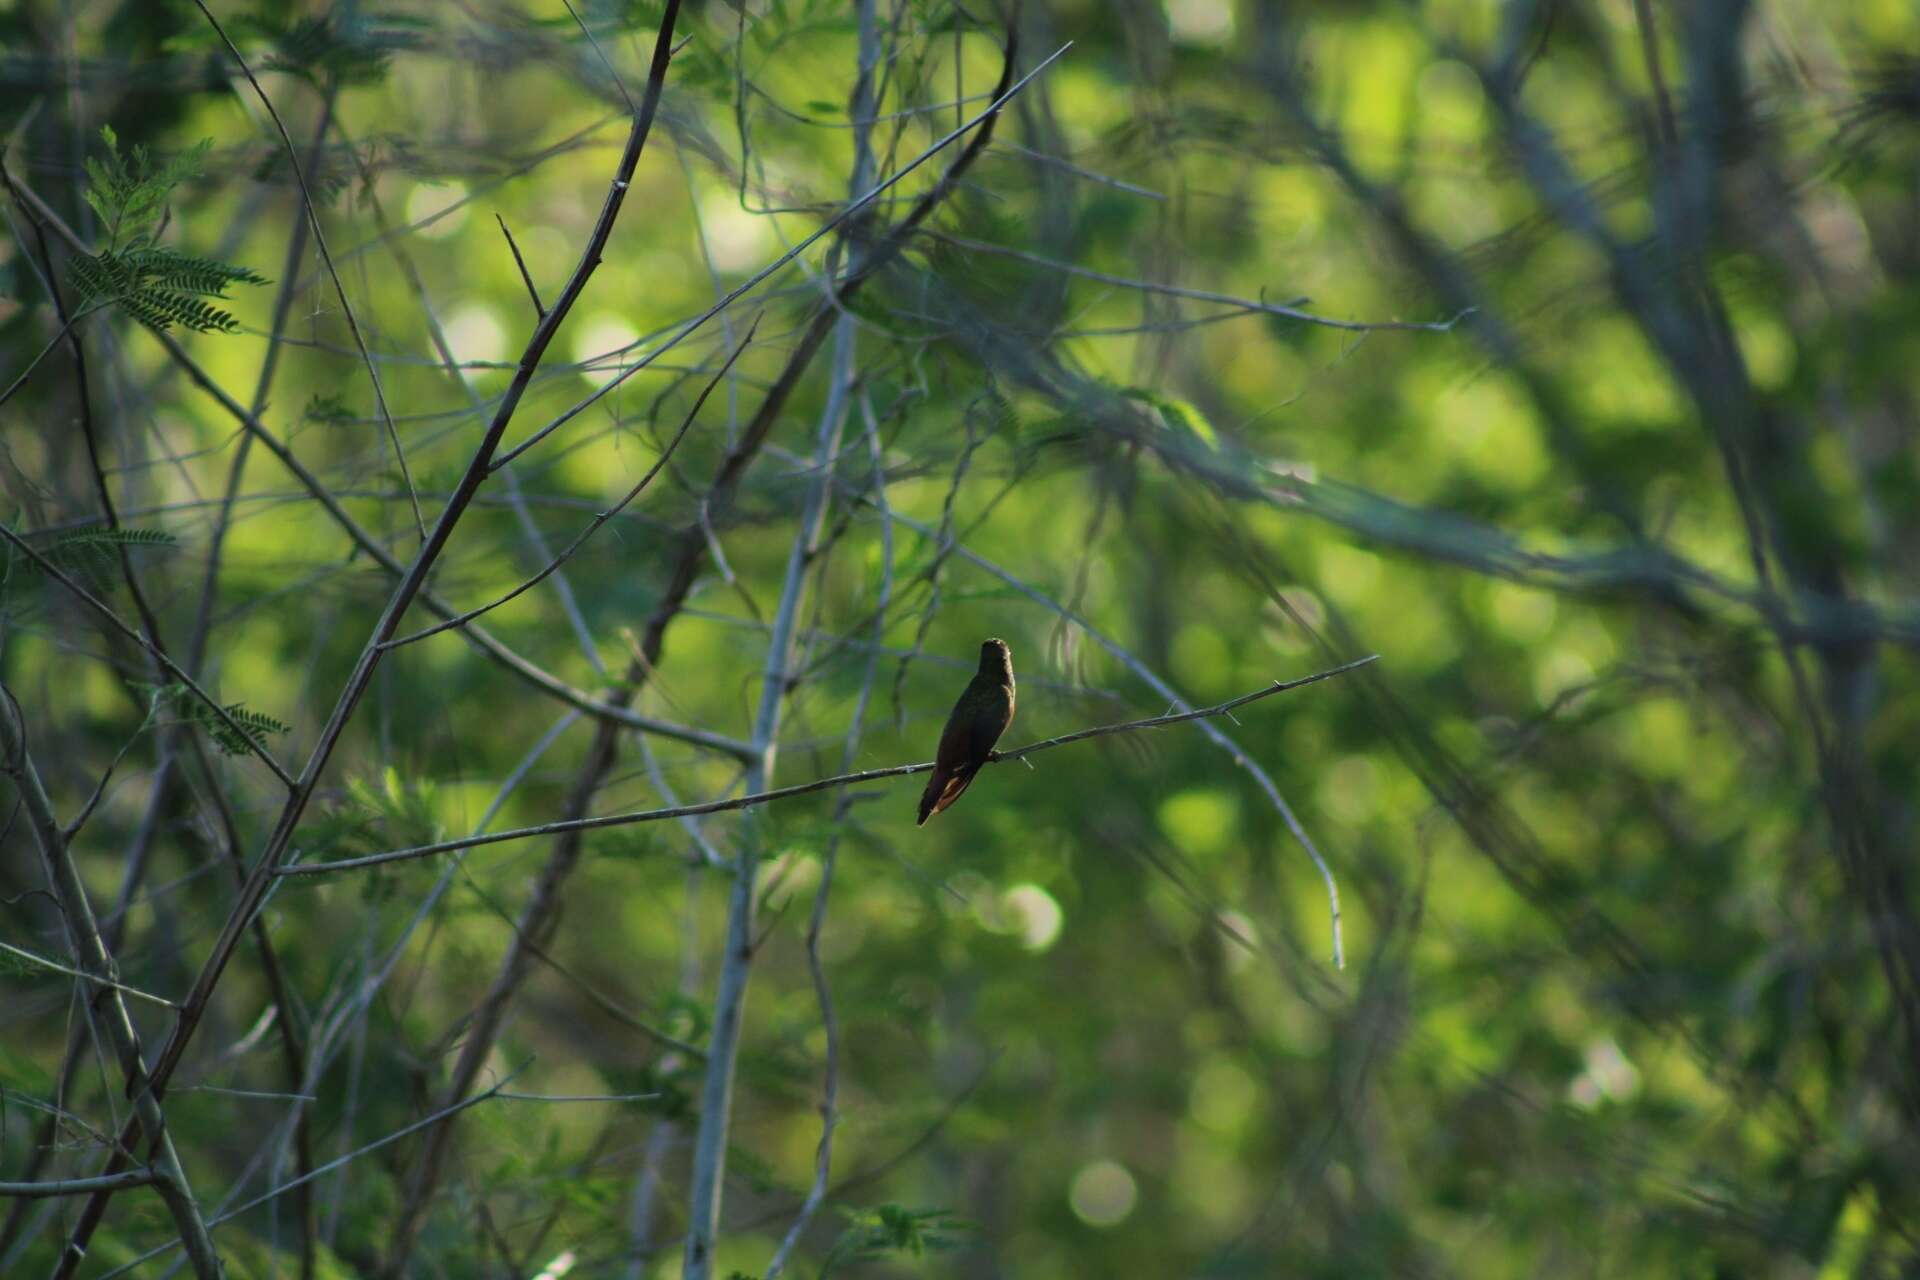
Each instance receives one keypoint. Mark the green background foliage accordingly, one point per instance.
(1622, 820)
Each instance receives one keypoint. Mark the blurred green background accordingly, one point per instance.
(1621, 821)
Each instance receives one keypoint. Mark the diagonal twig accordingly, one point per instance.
(79, 1186)
(44, 962)
(539, 308)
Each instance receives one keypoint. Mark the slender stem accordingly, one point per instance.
(1650, 49)
(66, 327)
(80, 1186)
(1283, 310)
(539, 308)
(44, 962)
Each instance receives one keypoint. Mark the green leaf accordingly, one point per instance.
(330, 408)
(159, 287)
(88, 553)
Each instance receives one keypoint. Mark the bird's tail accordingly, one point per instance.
(942, 790)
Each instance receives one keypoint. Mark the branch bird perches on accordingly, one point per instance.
(802, 788)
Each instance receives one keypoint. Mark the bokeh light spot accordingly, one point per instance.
(1200, 21)
(474, 333)
(1033, 914)
(1222, 1097)
(442, 203)
(1103, 1194)
(599, 337)
(1200, 821)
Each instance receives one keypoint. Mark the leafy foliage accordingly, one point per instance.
(328, 407)
(129, 193)
(161, 288)
(248, 730)
(892, 1229)
(100, 539)
(90, 553)
(158, 286)
(353, 50)
(374, 815)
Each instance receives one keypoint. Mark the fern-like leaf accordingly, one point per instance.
(101, 537)
(161, 288)
(189, 274)
(254, 725)
(356, 50)
(87, 554)
(130, 192)
(246, 732)
(158, 286)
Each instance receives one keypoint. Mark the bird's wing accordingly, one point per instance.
(985, 730)
(952, 760)
(956, 743)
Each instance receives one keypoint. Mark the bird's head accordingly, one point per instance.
(996, 658)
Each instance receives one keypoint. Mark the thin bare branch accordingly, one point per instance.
(79, 1186)
(539, 308)
(66, 327)
(1242, 306)
(39, 961)
(798, 789)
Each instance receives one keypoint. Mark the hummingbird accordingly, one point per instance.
(982, 714)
